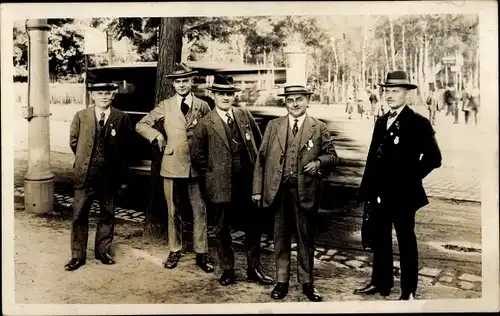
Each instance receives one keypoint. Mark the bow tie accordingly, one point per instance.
(392, 114)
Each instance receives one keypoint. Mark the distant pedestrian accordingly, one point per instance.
(432, 104)
(450, 98)
(403, 151)
(470, 106)
(99, 138)
(349, 105)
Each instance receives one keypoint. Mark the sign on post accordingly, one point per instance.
(95, 41)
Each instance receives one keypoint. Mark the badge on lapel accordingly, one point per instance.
(113, 131)
(396, 140)
(247, 136)
(310, 144)
(195, 121)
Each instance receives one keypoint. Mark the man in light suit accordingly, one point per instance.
(181, 113)
(225, 147)
(296, 151)
(98, 138)
(402, 153)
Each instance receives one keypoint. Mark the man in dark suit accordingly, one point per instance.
(296, 150)
(402, 153)
(224, 147)
(98, 138)
(181, 113)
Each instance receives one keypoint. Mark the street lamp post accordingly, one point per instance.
(39, 179)
(296, 63)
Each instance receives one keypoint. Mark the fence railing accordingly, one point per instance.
(59, 93)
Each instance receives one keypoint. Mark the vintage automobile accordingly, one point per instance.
(136, 97)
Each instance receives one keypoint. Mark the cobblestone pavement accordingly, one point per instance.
(343, 259)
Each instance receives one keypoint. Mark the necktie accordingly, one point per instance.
(393, 114)
(101, 119)
(184, 106)
(229, 120)
(295, 128)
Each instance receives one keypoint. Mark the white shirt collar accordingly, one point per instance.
(98, 112)
(189, 99)
(291, 120)
(391, 120)
(222, 114)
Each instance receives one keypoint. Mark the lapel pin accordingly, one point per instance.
(113, 132)
(247, 136)
(396, 140)
(195, 122)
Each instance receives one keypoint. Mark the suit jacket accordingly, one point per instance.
(212, 152)
(176, 162)
(399, 159)
(82, 138)
(270, 163)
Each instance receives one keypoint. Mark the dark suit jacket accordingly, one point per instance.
(269, 167)
(211, 152)
(397, 163)
(82, 138)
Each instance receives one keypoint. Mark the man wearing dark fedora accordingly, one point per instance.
(402, 153)
(181, 114)
(99, 139)
(296, 151)
(225, 148)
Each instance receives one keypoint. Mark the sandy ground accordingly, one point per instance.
(42, 249)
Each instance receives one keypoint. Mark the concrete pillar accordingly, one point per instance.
(296, 63)
(39, 179)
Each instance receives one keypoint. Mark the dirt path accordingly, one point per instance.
(42, 249)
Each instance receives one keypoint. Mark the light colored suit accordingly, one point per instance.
(176, 168)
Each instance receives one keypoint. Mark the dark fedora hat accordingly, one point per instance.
(181, 70)
(223, 84)
(398, 78)
(295, 89)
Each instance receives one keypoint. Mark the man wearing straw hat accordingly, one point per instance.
(296, 151)
(402, 153)
(181, 113)
(99, 139)
(225, 147)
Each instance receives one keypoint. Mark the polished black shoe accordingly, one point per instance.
(257, 275)
(310, 291)
(172, 260)
(74, 264)
(407, 296)
(372, 289)
(106, 258)
(227, 278)
(204, 262)
(279, 291)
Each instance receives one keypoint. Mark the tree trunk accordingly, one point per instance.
(393, 53)
(386, 55)
(169, 53)
(421, 72)
(404, 49)
(363, 57)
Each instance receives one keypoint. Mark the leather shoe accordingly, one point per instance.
(310, 291)
(74, 264)
(227, 277)
(407, 296)
(257, 275)
(106, 258)
(280, 291)
(172, 260)
(204, 262)
(372, 289)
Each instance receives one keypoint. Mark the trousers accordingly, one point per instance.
(175, 190)
(404, 224)
(291, 219)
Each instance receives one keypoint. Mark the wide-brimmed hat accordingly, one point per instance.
(295, 89)
(398, 78)
(223, 84)
(181, 70)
